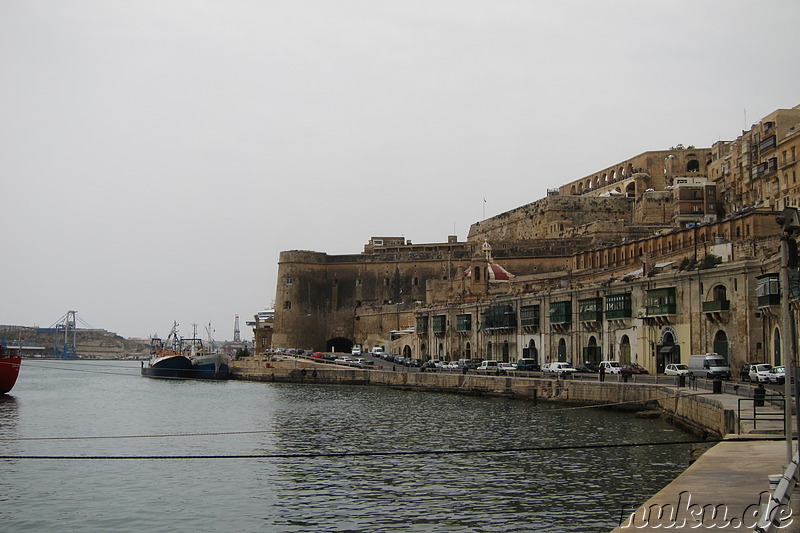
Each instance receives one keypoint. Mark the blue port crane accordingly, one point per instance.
(64, 331)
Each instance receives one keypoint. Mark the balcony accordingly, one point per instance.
(617, 314)
(590, 312)
(660, 310)
(768, 300)
(717, 310)
(590, 316)
(714, 306)
(439, 325)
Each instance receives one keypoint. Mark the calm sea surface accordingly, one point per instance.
(70, 409)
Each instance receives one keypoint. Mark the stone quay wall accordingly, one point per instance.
(702, 414)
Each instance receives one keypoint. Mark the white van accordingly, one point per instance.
(709, 365)
(356, 350)
(611, 367)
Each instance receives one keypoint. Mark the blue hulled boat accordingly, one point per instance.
(173, 360)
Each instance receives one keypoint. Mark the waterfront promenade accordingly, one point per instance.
(732, 477)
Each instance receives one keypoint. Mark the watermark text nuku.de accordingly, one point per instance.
(685, 514)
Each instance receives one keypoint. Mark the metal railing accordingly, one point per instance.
(758, 401)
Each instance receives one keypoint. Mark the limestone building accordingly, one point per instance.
(669, 253)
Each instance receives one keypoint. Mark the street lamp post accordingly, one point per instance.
(790, 226)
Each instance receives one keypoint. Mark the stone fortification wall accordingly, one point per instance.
(320, 298)
(699, 413)
(551, 217)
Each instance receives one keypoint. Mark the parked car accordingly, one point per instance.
(453, 365)
(527, 364)
(561, 369)
(611, 367)
(506, 367)
(709, 365)
(759, 373)
(488, 366)
(586, 367)
(676, 370)
(744, 372)
(632, 369)
(318, 355)
(777, 375)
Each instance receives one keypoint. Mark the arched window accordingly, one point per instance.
(720, 294)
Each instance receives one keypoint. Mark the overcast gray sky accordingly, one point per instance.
(157, 155)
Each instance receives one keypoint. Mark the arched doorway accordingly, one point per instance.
(505, 351)
(668, 352)
(489, 350)
(562, 350)
(721, 344)
(592, 352)
(776, 347)
(531, 352)
(407, 351)
(441, 352)
(468, 351)
(624, 350)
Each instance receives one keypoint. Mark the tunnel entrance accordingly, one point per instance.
(339, 344)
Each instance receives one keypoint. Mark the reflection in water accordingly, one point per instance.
(419, 489)
(9, 416)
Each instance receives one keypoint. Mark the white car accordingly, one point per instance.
(488, 366)
(453, 365)
(611, 367)
(777, 375)
(760, 373)
(506, 367)
(676, 370)
(559, 368)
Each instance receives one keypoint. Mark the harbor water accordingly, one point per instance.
(93, 446)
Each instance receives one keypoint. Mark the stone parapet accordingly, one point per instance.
(701, 413)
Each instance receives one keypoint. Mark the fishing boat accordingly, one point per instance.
(209, 365)
(9, 367)
(166, 358)
(178, 358)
